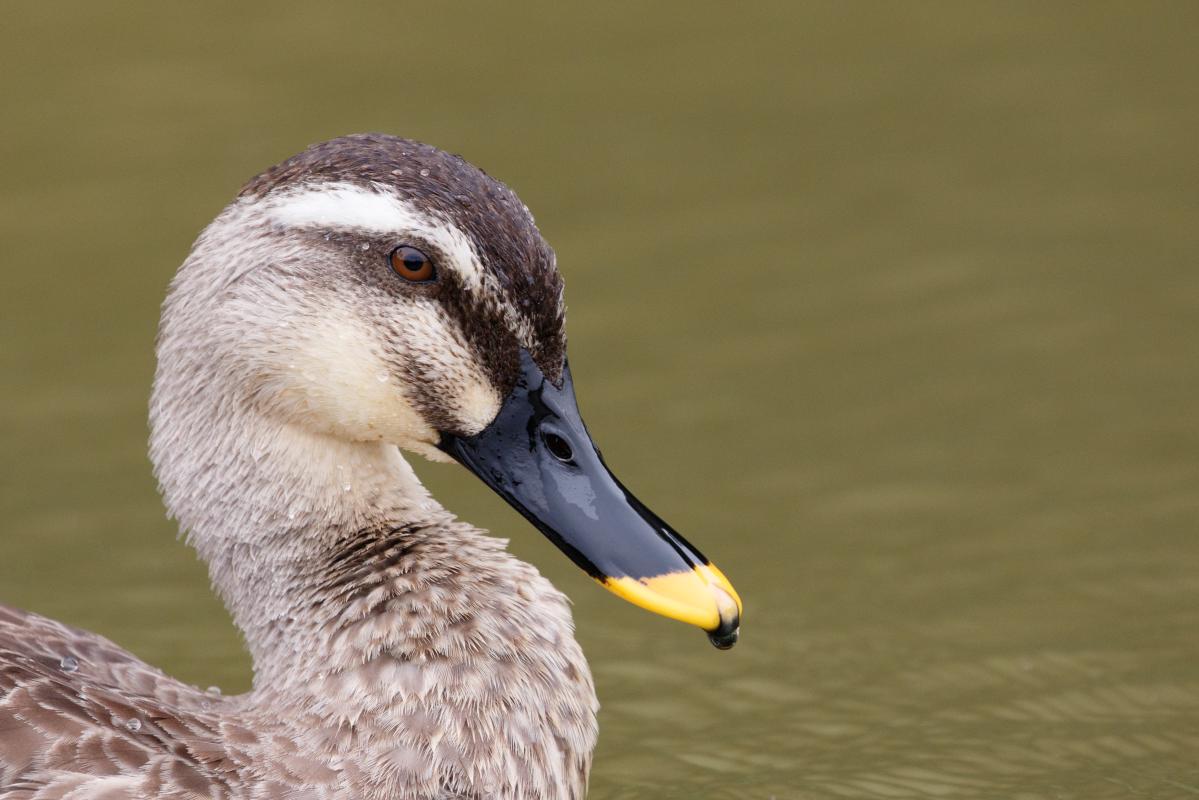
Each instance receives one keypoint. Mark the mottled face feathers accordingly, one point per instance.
(294, 290)
(500, 268)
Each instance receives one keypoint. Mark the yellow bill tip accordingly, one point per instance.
(702, 597)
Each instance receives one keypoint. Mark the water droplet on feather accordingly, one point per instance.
(68, 664)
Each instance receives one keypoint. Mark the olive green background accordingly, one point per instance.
(892, 309)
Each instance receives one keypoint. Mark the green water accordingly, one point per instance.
(892, 310)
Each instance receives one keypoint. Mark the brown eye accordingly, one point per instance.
(412, 265)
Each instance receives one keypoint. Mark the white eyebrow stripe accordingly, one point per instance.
(378, 210)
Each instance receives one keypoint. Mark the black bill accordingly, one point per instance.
(538, 455)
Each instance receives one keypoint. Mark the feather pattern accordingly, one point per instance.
(439, 667)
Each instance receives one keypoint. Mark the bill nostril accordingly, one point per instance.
(559, 447)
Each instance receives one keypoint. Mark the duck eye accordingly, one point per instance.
(412, 265)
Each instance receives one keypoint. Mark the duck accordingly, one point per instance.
(366, 301)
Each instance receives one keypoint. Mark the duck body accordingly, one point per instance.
(371, 295)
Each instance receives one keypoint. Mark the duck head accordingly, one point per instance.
(378, 289)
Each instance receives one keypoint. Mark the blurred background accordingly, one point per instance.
(891, 309)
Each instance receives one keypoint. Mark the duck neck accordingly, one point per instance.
(286, 519)
(371, 609)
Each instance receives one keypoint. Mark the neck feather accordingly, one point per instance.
(276, 511)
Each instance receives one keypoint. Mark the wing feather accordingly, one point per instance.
(83, 719)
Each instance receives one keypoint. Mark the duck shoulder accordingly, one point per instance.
(80, 716)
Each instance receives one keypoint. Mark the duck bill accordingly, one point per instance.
(538, 455)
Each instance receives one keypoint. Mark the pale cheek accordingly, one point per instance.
(448, 370)
(334, 381)
(477, 406)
